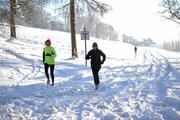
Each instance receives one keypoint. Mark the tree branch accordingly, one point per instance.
(64, 6)
(171, 19)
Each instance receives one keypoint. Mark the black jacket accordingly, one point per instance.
(95, 56)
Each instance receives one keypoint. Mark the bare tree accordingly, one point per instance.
(13, 7)
(93, 4)
(12, 14)
(13, 18)
(73, 31)
(171, 10)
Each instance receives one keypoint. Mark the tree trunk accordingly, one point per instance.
(13, 18)
(73, 31)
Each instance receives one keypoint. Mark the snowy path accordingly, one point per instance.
(147, 89)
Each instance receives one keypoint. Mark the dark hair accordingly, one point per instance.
(94, 44)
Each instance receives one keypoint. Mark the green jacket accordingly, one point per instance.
(49, 54)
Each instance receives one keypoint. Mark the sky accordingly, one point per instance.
(143, 88)
(140, 19)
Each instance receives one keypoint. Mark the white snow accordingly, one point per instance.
(143, 88)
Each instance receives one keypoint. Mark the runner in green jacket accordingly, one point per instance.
(49, 55)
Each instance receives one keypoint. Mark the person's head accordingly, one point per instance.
(48, 42)
(94, 46)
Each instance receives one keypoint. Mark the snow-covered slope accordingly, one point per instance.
(143, 88)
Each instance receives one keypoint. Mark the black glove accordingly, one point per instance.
(48, 54)
(87, 57)
(102, 62)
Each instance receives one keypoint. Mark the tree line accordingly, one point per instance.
(172, 46)
(135, 42)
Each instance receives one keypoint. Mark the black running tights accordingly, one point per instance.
(46, 66)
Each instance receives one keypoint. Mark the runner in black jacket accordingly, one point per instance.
(95, 56)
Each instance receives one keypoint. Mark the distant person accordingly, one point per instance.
(135, 50)
(95, 55)
(49, 55)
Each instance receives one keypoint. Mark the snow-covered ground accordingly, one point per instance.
(143, 88)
